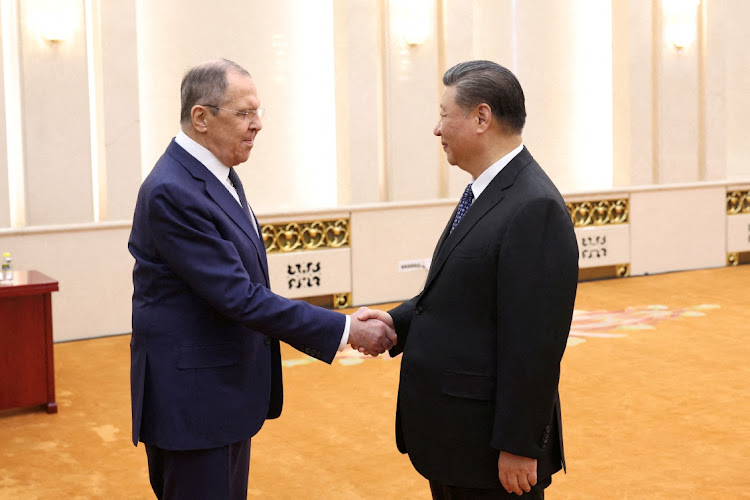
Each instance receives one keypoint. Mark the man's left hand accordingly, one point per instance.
(517, 474)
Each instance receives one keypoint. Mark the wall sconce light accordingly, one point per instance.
(55, 20)
(413, 20)
(681, 21)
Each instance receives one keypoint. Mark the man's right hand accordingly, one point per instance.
(371, 336)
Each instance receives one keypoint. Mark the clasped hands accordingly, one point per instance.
(371, 331)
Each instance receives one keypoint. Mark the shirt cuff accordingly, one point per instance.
(345, 336)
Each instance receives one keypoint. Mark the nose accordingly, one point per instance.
(436, 130)
(255, 124)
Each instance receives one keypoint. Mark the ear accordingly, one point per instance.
(483, 117)
(199, 118)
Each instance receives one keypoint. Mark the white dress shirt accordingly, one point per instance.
(221, 171)
(484, 179)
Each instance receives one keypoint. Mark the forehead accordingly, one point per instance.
(449, 97)
(241, 89)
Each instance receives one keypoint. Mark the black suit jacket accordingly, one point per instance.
(205, 358)
(482, 343)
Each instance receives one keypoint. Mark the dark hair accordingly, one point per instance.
(487, 82)
(206, 84)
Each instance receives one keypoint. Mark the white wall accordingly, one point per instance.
(351, 109)
(288, 48)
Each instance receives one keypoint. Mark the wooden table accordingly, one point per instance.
(27, 370)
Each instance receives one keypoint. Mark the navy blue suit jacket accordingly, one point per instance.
(205, 357)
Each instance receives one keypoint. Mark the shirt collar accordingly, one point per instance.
(203, 155)
(484, 179)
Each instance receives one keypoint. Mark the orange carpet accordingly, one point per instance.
(654, 390)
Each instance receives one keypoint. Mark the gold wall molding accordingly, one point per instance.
(342, 300)
(733, 258)
(738, 258)
(604, 272)
(738, 202)
(302, 236)
(599, 213)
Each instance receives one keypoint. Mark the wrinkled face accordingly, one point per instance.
(455, 129)
(230, 136)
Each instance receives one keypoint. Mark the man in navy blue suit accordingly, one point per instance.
(205, 355)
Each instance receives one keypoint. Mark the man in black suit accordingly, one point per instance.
(478, 407)
(205, 357)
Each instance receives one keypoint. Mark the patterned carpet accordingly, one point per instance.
(654, 390)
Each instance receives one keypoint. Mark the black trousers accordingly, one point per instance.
(447, 492)
(215, 473)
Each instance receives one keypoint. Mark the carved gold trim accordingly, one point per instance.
(342, 300)
(622, 270)
(301, 236)
(604, 272)
(738, 202)
(599, 213)
(733, 258)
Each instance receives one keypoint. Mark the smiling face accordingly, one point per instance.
(455, 129)
(230, 136)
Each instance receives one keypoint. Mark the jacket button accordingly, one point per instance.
(267, 340)
(548, 429)
(419, 310)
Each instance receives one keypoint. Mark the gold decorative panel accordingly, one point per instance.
(342, 300)
(738, 202)
(299, 236)
(733, 258)
(604, 272)
(598, 213)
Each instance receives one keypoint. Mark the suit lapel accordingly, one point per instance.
(491, 196)
(221, 196)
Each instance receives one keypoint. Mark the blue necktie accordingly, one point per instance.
(463, 205)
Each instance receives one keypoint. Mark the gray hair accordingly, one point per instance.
(206, 84)
(487, 82)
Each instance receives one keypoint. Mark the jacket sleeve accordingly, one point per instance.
(402, 316)
(189, 242)
(536, 287)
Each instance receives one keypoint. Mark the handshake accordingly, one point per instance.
(371, 331)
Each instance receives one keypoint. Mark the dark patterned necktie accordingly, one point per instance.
(463, 205)
(237, 183)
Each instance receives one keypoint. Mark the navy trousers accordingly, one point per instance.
(215, 473)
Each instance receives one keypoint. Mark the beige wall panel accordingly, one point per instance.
(738, 233)
(359, 101)
(121, 111)
(56, 127)
(632, 81)
(288, 48)
(737, 18)
(4, 200)
(383, 237)
(677, 229)
(412, 103)
(714, 98)
(678, 108)
(565, 68)
(93, 267)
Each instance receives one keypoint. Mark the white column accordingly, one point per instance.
(55, 104)
(565, 68)
(122, 140)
